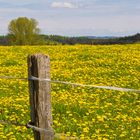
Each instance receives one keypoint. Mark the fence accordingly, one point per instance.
(40, 96)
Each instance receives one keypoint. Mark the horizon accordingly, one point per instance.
(75, 17)
(105, 36)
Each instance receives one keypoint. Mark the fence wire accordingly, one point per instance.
(41, 130)
(10, 123)
(12, 77)
(73, 84)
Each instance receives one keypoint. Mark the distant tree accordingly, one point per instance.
(4, 40)
(23, 31)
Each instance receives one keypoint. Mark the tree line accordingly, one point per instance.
(92, 41)
(25, 31)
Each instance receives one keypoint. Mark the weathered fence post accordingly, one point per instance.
(40, 96)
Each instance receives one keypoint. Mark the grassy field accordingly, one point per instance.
(88, 113)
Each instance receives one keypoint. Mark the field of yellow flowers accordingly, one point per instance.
(86, 113)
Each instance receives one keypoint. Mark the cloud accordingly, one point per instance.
(63, 5)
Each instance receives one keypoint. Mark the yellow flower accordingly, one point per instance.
(86, 130)
(100, 118)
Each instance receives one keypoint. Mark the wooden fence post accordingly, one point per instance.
(40, 96)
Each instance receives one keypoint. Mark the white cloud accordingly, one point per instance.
(63, 5)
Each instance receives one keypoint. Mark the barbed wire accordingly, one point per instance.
(73, 84)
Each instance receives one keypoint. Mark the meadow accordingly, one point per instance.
(83, 112)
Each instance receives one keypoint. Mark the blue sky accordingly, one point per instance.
(75, 17)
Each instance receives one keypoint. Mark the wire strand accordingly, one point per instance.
(11, 123)
(40, 129)
(84, 85)
(27, 125)
(33, 78)
(12, 77)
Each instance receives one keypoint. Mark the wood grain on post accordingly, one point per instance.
(40, 95)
